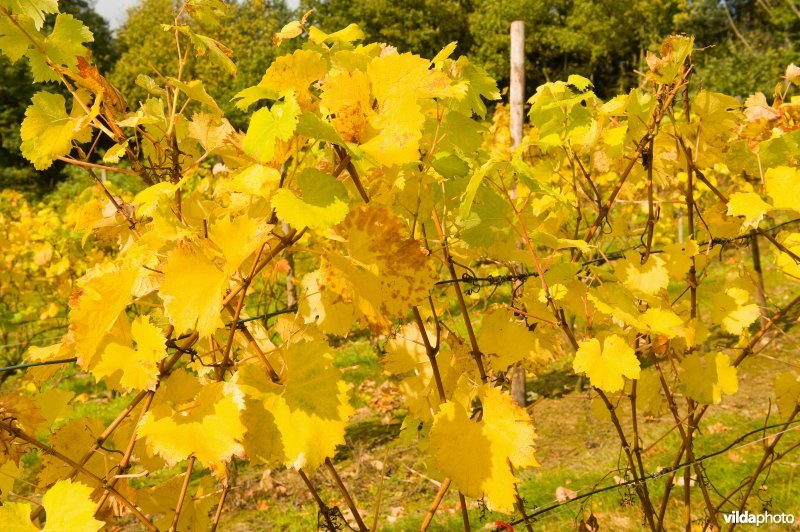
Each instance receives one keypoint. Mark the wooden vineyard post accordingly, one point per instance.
(517, 116)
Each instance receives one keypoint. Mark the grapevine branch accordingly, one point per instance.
(476, 353)
(22, 435)
(182, 494)
(346, 494)
(165, 370)
(655, 120)
(437, 500)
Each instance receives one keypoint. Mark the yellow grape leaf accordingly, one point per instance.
(210, 131)
(406, 351)
(16, 517)
(783, 260)
(9, 473)
(288, 31)
(349, 34)
(718, 113)
(139, 366)
(399, 123)
(23, 413)
(267, 126)
(646, 279)
(787, 392)
(47, 131)
(194, 516)
(207, 426)
(35, 9)
(262, 440)
(295, 73)
(614, 300)
(506, 340)
(783, 187)
(104, 294)
(389, 272)
(705, 378)
(73, 439)
(254, 180)
(730, 308)
(69, 506)
(237, 239)
(750, 206)
(345, 99)
(53, 404)
(665, 67)
(792, 74)
(396, 76)
(39, 374)
(606, 368)
(679, 258)
(476, 454)
(310, 409)
(650, 400)
(663, 322)
(324, 302)
(324, 201)
(192, 291)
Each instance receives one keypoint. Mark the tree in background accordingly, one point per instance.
(745, 43)
(248, 28)
(16, 91)
(750, 42)
(420, 26)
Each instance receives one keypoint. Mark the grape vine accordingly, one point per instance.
(370, 196)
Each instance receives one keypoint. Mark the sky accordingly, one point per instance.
(114, 10)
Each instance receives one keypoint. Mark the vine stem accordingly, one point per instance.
(251, 341)
(653, 123)
(724, 199)
(86, 164)
(346, 494)
(476, 353)
(518, 501)
(426, 522)
(235, 316)
(640, 491)
(124, 464)
(691, 406)
(323, 508)
(431, 352)
(652, 476)
(182, 494)
(345, 160)
(687, 446)
(662, 511)
(744, 354)
(293, 236)
(165, 370)
(637, 447)
(218, 513)
(464, 512)
(18, 433)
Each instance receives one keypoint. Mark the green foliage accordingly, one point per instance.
(17, 89)
(246, 27)
(420, 26)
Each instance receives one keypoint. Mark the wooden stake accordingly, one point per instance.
(517, 102)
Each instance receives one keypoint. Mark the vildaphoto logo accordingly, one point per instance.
(747, 518)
